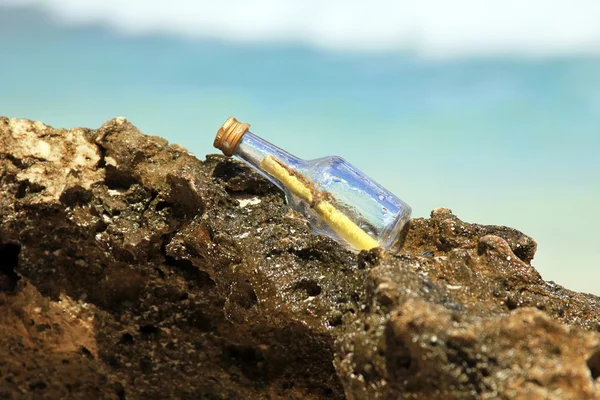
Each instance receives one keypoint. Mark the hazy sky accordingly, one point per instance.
(433, 28)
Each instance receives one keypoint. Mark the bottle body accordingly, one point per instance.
(338, 200)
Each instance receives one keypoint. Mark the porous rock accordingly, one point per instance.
(130, 269)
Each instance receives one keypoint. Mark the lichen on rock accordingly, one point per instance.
(129, 268)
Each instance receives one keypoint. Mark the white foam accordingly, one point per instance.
(434, 28)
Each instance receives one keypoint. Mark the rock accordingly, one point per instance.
(128, 268)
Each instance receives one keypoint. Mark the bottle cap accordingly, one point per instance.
(229, 135)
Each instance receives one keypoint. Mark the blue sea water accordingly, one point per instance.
(509, 141)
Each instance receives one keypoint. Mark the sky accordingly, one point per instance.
(490, 108)
(428, 27)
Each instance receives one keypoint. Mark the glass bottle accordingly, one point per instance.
(338, 200)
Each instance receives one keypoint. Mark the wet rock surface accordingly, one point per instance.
(130, 269)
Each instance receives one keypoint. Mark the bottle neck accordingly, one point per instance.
(253, 149)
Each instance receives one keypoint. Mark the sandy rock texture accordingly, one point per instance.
(130, 269)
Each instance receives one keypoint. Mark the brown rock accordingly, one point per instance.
(128, 268)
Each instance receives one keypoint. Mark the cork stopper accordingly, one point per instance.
(229, 135)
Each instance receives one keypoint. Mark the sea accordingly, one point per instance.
(497, 138)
